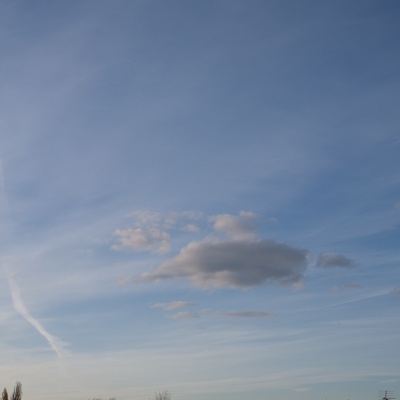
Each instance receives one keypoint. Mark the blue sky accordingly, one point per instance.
(200, 196)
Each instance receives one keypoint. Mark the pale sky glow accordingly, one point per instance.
(200, 196)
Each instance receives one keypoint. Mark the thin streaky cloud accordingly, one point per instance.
(364, 297)
(184, 315)
(173, 305)
(302, 389)
(248, 314)
(350, 285)
(393, 380)
(21, 309)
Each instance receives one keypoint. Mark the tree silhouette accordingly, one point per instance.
(17, 393)
(165, 395)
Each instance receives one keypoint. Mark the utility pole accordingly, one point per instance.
(387, 395)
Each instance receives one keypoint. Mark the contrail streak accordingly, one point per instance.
(19, 306)
(378, 293)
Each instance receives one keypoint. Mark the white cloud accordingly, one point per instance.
(139, 239)
(234, 263)
(174, 305)
(242, 224)
(333, 260)
(151, 230)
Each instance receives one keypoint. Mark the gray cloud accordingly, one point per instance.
(174, 305)
(234, 263)
(248, 314)
(333, 260)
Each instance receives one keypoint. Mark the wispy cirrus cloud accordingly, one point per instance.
(172, 305)
(21, 309)
(184, 315)
(148, 219)
(350, 285)
(301, 389)
(248, 314)
(366, 296)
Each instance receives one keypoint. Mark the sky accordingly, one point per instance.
(200, 196)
